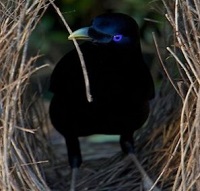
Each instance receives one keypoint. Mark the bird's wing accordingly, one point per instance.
(67, 76)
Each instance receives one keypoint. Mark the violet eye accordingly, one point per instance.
(117, 37)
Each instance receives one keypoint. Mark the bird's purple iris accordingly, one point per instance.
(117, 37)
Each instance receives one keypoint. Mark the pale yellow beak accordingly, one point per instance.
(80, 34)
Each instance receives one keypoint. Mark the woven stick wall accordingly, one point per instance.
(178, 133)
(19, 153)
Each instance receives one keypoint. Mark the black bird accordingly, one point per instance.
(121, 85)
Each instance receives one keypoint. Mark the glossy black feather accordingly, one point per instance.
(121, 85)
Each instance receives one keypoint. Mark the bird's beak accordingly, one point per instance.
(80, 34)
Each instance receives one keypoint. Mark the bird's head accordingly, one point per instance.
(110, 28)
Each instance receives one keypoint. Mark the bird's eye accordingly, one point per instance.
(117, 37)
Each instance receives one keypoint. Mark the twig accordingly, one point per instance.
(84, 69)
(147, 182)
(165, 69)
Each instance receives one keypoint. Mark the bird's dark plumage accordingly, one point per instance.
(121, 85)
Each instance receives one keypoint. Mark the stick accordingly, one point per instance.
(84, 69)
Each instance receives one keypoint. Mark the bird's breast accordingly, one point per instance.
(107, 83)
